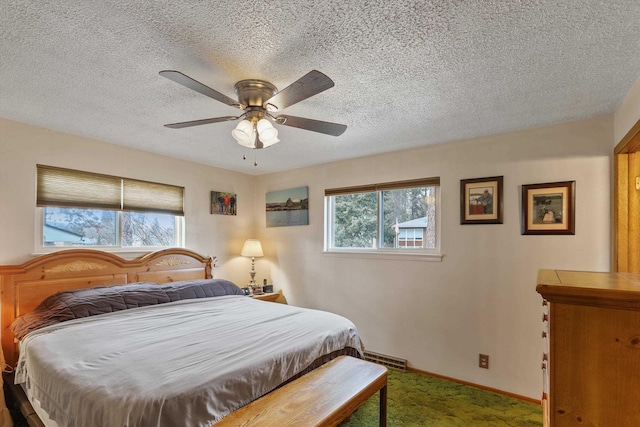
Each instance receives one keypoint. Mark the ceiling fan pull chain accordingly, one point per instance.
(255, 161)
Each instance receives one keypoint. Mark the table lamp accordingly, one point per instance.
(252, 249)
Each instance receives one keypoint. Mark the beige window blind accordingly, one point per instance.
(72, 188)
(143, 196)
(395, 185)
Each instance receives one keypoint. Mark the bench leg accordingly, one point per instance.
(383, 406)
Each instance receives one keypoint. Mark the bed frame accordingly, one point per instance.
(23, 287)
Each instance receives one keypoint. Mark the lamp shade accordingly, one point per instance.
(252, 248)
(267, 133)
(266, 130)
(244, 133)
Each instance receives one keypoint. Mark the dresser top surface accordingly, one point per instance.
(592, 288)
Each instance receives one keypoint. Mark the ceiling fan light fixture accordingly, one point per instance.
(244, 133)
(263, 124)
(269, 142)
(266, 131)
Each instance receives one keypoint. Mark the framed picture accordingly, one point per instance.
(224, 203)
(288, 207)
(548, 208)
(481, 200)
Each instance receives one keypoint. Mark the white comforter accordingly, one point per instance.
(185, 363)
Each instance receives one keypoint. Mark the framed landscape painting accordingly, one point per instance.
(481, 200)
(288, 207)
(548, 208)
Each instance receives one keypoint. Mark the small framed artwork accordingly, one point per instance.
(224, 203)
(288, 207)
(481, 200)
(548, 208)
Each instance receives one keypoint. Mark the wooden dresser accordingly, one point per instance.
(593, 333)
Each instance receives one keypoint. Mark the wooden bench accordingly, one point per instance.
(324, 397)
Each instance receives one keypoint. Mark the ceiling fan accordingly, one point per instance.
(259, 99)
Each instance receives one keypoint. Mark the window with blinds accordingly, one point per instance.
(399, 216)
(80, 208)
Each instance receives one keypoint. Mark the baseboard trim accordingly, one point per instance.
(482, 387)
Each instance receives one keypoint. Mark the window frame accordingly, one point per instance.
(167, 206)
(426, 254)
(40, 248)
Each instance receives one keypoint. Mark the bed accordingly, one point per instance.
(197, 353)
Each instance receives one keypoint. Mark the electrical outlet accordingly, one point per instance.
(483, 361)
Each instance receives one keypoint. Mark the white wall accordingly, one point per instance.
(628, 113)
(439, 315)
(23, 146)
(481, 298)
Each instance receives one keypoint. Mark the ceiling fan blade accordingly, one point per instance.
(305, 87)
(328, 128)
(181, 125)
(187, 81)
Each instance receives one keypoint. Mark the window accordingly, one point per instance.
(398, 216)
(91, 210)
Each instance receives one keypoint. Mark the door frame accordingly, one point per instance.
(626, 203)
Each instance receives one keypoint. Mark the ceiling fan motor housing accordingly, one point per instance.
(254, 93)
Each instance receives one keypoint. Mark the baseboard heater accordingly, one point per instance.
(384, 360)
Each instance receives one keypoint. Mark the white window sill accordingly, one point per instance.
(382, 254)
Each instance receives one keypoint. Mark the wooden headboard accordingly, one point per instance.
(24, 286)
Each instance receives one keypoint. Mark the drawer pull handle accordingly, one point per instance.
(544, 334)
(545, 317)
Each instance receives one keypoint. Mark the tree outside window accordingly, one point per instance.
(384, 219)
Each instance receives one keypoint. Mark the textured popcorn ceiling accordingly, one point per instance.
(407, 73)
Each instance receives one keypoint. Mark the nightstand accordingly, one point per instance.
(268, 296)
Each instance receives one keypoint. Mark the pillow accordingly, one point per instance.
(68, 305)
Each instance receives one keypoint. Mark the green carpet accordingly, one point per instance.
(419, 400)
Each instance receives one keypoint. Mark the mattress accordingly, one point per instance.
(187, 362)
